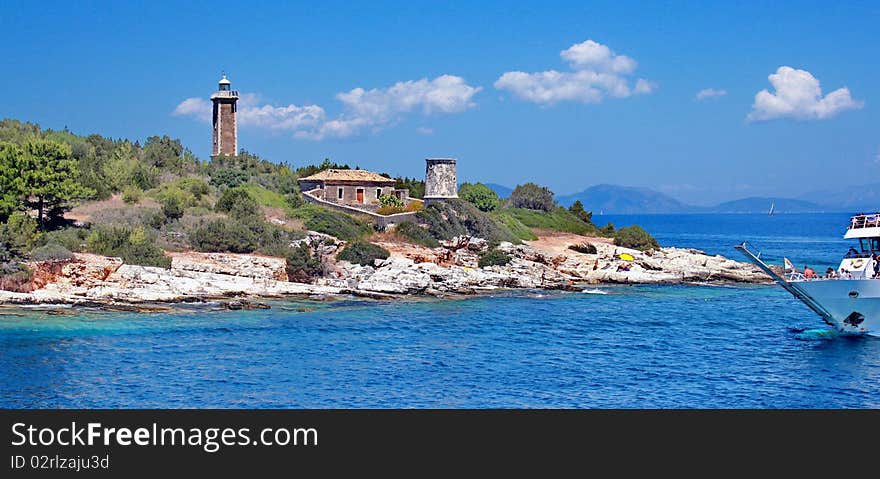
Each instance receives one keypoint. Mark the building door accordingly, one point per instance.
(360, 195)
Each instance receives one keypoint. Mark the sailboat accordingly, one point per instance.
(772, 205)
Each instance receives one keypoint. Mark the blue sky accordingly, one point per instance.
(619, 104)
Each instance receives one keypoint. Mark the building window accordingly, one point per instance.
(378, 192)
(339, 193)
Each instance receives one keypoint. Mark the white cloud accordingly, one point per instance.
(198, 108)
(597, 72)
(594, 56)
(363, 109)
(798, 95)
(708, 93)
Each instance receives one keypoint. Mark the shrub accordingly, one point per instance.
(586, 248)
(238, 203)
(577, 209)
(416, 234)
(415, 206)
(172, 207)
(533, 197)
(131, 194)
(222, 235)
(196, 186)
(493, 257)
(363, 253)
(133, 245)
(455, 217)
(20, 233)
(129, 216)
(302, 266)
(228, 177)
(480, 196)
(607, 230)
(333, 223)
(390, 201)
(636, 238)
(73, 239)
(293, 200)
(51, 251)
(390, 210)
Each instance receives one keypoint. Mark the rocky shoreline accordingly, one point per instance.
(451, 269)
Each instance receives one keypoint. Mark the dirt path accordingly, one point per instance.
(558, 242)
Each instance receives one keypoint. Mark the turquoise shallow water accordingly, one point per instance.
(635, 347)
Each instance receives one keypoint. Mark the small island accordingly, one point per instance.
(95, 221)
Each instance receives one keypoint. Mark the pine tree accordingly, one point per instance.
(10, 180)
(49, 173)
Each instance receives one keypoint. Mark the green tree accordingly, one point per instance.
(238, 203)
(577, 208)
(480, 196)
(415, 186)
(119, 168)
(164, 153)
(49, 173)
(533, 197)
(11, 185)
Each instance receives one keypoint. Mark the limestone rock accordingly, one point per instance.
(247, 265)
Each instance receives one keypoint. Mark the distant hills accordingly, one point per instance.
(625, 200)
(761, 204)
(616, 199)
(849, 198)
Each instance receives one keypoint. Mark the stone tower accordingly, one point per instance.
(225, 126)
(440, 180)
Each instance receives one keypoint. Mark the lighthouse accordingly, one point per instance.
(225, 126)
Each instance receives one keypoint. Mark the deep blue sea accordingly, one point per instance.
(634, 347)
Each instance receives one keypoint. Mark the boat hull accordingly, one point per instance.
(854, 305)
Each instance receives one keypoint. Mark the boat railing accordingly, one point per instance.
(800, 278)
(865, 221)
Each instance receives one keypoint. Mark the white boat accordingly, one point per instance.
(848, 299)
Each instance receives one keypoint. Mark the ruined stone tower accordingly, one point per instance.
(440, 180)
(225, 126)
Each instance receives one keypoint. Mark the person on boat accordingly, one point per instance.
(852, 253)
(830, 273)
(844, 274)
(876, 259)
(809, 273)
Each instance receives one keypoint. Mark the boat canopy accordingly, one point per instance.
(864, 226)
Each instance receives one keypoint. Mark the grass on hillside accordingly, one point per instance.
(335, 223)
(559, 219)
(515, 226)
(265, 197)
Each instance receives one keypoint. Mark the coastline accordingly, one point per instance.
(241, 281)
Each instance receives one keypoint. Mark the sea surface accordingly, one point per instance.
(614, 347)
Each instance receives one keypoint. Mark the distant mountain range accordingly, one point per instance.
(625, 200)
(615, 199)
(852, 198)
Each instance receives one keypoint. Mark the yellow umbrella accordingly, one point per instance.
(626, 256)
